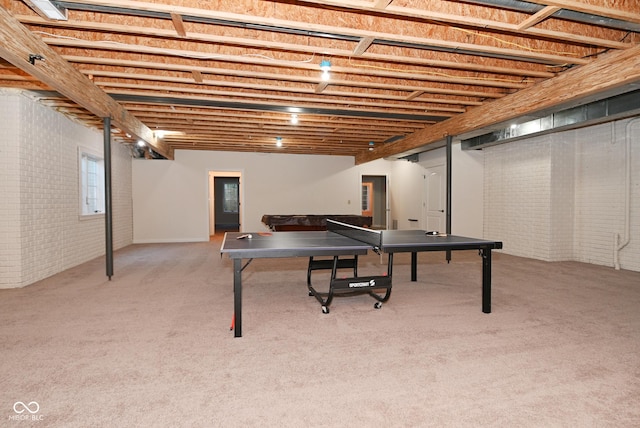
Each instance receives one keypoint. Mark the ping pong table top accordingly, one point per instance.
(240, 246)
(290, 244)
(418, 240)
(343, 239)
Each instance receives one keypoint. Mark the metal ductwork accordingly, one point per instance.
(569, 15)
(606, 110)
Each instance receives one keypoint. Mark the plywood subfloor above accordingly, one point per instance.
(248, 75)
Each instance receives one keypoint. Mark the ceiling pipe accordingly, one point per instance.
(621, 242)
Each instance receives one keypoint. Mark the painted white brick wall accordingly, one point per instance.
(517, 197)
(630, 256)
(599, 182)
(562, 187)
(51, 235)
(121, 196)
(562, 197)
(10, 261)
(600, 193)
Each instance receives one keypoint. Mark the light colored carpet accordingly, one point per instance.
(153, 347)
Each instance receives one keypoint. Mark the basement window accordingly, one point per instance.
(91, 170)
(231, 203)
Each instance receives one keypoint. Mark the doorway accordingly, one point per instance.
(375, 200)
(225, 202)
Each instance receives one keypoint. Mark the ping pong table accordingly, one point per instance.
(339, 240)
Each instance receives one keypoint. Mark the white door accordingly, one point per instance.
(434, 199)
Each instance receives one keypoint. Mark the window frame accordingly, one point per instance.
(229, 199)
(83, 182)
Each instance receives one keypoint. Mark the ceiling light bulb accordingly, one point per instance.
(325, 66)
(294, 119)
(140, 143)
(279, 141)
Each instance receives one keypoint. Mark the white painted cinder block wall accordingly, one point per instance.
(41, 232)
(562, 196)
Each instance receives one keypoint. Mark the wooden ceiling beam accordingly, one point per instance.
(400, 11)
(354, 32)
(611, 71)
(363, 45)
(538, 17)
(17, 44)
(152, 114)
(425, 75)
(306, 103)
(158, 80)
(178, 24)
(305, 48)
(400, 87)
(381, 4)
(485, 24)
(580, 6)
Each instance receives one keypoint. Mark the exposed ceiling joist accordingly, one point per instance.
(31, 54)
(234, 75)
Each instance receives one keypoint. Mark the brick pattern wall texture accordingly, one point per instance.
(10, 262)
(52, 236)
(562, 196)
(517, 197)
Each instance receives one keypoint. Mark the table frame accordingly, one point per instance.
(412, 241)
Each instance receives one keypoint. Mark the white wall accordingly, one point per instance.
(563, 196)
(557, 197)
(10, 248)
(41, 231)
(170, 197)
(467, 198)
(408, 190)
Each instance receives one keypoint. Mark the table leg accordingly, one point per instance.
(485, 253)
(237, 297)
(414, 266)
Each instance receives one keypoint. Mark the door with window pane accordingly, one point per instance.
(227, 203)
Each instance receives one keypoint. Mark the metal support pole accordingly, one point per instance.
(108, 219)
(485, 253)
(237, 297)
(449, 171)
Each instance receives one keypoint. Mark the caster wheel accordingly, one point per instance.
(310, 293)
(377, 305)
(325, 309)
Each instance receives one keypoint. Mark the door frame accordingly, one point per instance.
(211, 176)
(387, 207)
